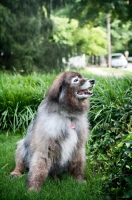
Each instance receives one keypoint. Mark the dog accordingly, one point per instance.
(55, 140)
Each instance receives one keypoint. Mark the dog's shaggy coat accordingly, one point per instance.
(55, 140)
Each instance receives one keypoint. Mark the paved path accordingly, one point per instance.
(104, 71)
(97, 70)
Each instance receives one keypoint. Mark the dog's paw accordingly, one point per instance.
(33, 189)
(36, 187)
(79, 178)
(15, 174)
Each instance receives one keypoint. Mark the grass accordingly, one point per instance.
(111, 122)
(64, 189)
(20, 97)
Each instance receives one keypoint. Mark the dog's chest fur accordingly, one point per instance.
(68, 146)
(60, 136)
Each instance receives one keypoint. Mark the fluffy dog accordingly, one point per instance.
(55, 140)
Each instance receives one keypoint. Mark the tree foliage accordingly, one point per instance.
(94, 13)
(26, 35)
(90, 10)
(89, 40)
(120, 34)
(92, 40)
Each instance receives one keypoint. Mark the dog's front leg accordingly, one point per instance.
(38, 171)
(77, 165)
(20, 161)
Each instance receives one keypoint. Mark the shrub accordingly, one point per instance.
(110, 146)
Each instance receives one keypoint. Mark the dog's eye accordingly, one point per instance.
(75, 80)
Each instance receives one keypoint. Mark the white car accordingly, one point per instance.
(118, 60)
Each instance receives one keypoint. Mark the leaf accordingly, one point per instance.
(129, 179)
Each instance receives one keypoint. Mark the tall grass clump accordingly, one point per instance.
(110, 146)
(20, 97)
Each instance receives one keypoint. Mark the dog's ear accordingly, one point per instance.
(56, 88)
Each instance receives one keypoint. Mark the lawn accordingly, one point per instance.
(65, 188)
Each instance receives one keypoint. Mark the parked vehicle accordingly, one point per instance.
(118, 60)
(129, 59)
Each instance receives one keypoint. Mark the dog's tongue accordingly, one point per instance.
(83, 92)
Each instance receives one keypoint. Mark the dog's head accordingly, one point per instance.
(71, 89)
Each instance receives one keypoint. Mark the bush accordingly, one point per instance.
(110, 146)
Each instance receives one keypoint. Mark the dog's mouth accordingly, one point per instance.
(85, 93)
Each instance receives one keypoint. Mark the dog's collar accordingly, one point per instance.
(72, 126)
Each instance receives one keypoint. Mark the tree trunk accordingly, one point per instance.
(109, 40)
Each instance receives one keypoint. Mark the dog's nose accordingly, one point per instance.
(92, 81)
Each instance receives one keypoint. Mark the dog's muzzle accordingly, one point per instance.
(86, 89)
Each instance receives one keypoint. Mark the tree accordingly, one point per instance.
(121, 35)
(89, 40)
(28, 32)
(95, 12)
(92, 40)
(20, 32)
(90, 10)
(26, 29)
